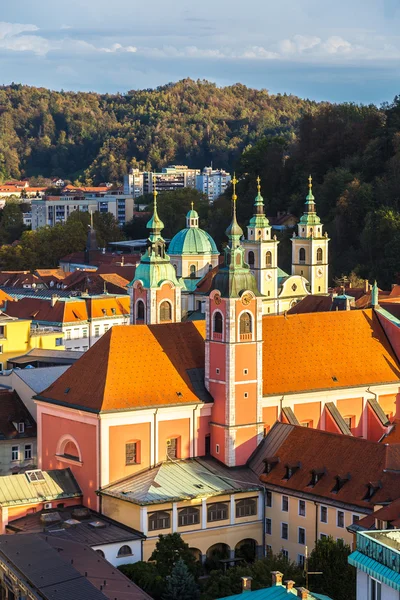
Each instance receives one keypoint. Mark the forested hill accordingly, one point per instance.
(97, 137)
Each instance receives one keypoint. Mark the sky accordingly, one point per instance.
(336, 50)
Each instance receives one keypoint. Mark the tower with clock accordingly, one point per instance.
(262, 254)
(310, 248)
(233, 359)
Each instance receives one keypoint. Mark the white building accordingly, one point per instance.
(212, 182)
(133, 183)
(377, 560)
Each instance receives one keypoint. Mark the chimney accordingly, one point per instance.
(366, 285)
(54, 299)
(302, 593)
(276, 577)
(246, 584)
(289, 584)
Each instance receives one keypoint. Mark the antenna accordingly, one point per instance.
(306, 571)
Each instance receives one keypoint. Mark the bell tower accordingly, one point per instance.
(155, 290)
(262, 254)
(233, 361)
(310, 248)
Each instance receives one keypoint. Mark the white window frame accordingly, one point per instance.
(14, 449)
(305, 536)
(287, 525)
(320, 513)
(28, 448)
(287, 498)
(305, 509)
(337, 519)
(268, 519)
(21, 427)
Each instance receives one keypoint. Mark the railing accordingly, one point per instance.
(217, 336)
(245, 337)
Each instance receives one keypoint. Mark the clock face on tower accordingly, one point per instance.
(268, 276)
(320, 272)
(246, 299)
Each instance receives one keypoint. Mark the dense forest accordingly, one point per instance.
(96, 138)
(352, 151)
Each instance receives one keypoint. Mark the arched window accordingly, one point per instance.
(302, 255)
(67, 447)
(159, 520)
(165, 311)
(218, 322)
(140, 310)
(245, 323)
(188, 516)
(319, 255)
(250, 258)
(71, 451)
(125, 551)
(268, 259)
(217, 512)
(246, 507)
(192, 271)
(100, 552)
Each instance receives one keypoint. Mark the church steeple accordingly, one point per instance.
(192, 218)
(156, 243)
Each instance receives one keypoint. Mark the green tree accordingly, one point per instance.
(338, 579)
(169, 549)
(180, 585)
(146, 576)
(11, 222)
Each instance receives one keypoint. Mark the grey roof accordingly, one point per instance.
(182, 480)
(106, 532)
(41, 378)
(19, 293)
(378, 410)
(269, 446)
(61, 356)
(63, 570)
(289, 414)
(56, 485)
(337, 417)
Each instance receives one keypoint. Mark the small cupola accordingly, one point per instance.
(192, 218)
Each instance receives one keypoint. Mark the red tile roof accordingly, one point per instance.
(334, 455)
(393, 434)
(310, 352)
(311, 304)
(13, 410)
(95, 283)
(106, 377)
(40, 309)
(390, 514)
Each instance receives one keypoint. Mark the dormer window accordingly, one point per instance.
(104, 311)
(291, 470)
(339, 483)
(270, 463)
(315, 477)
(372, 488)
(21, 427)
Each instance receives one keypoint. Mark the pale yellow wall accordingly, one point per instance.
(311, 523)
(17, 340)
(122, 511)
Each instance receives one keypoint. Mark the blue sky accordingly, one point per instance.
(337, 50)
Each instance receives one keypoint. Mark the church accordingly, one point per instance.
(183, 277)
(165, 393)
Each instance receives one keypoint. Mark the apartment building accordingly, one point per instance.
(377, 560)
(51, 210)
(18, 434)
(212, 182)
(81, 321)
(319, 483)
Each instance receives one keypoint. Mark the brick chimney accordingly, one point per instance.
(246, 584)
(302, 593)
(276, 577)
(289, 583)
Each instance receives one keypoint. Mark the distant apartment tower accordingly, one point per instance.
(212, 182)
(173, 177)
(133, 183)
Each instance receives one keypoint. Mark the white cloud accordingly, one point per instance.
(11, 29)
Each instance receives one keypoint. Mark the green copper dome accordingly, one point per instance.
(192, 240)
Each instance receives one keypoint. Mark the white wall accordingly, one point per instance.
(363, 584)
(111, 552)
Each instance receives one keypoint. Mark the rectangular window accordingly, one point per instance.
(14, 452)
(2, 331)
(217, 512)
(246, 507)
(375, 589)
(322, 536)
(285, 553)
(59, 342)
(106, 328)
(301, 559)
(84, 333)
(97, 331)
(1, 348)
(340, 518)
(131, 453)
(21, 427)
(302, 536)
(68, 334)
(159, 520)
(76, 333)
(285, 504)
(172, 448)
(324, 514)
(268, 526)
(284, 531)
(28, 451)
(356, 518)
(302, 508)
(268, 499)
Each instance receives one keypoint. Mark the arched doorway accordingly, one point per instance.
(196, 553)
(215, 554)
(246, 549)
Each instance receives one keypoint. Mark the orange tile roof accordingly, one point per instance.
(40, 309)
(108, 377)
(335, 455)
(389, 513)
(393, 434)
(97, 306)
(326, 350)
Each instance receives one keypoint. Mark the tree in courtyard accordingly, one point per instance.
(169, 550)
(338, 579)
(180, 585)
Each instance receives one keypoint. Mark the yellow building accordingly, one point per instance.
(217, 511)
(17, 338)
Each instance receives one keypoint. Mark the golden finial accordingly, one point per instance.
(234, 182)
(258, 184)
(155, 186)
(310, 183)
(192, 204)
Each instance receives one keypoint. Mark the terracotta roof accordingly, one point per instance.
(18, 278)
(205, 284)
(102, 306)
(326, 350)
(334, 455)
(40, 309)
(125, 271)
(318, 351)
(393, 434)
(95, 283)
(51, 274)
(106, 377)
(311, 304)
(390, 513)
(4, 298)
(12, 412)
(98, 258)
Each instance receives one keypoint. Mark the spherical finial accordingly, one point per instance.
(310, 183)
(234, 182)
(258, 184)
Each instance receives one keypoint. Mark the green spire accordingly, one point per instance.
(155, 224)
(234, 231)
(310, 216)
(258, 219)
